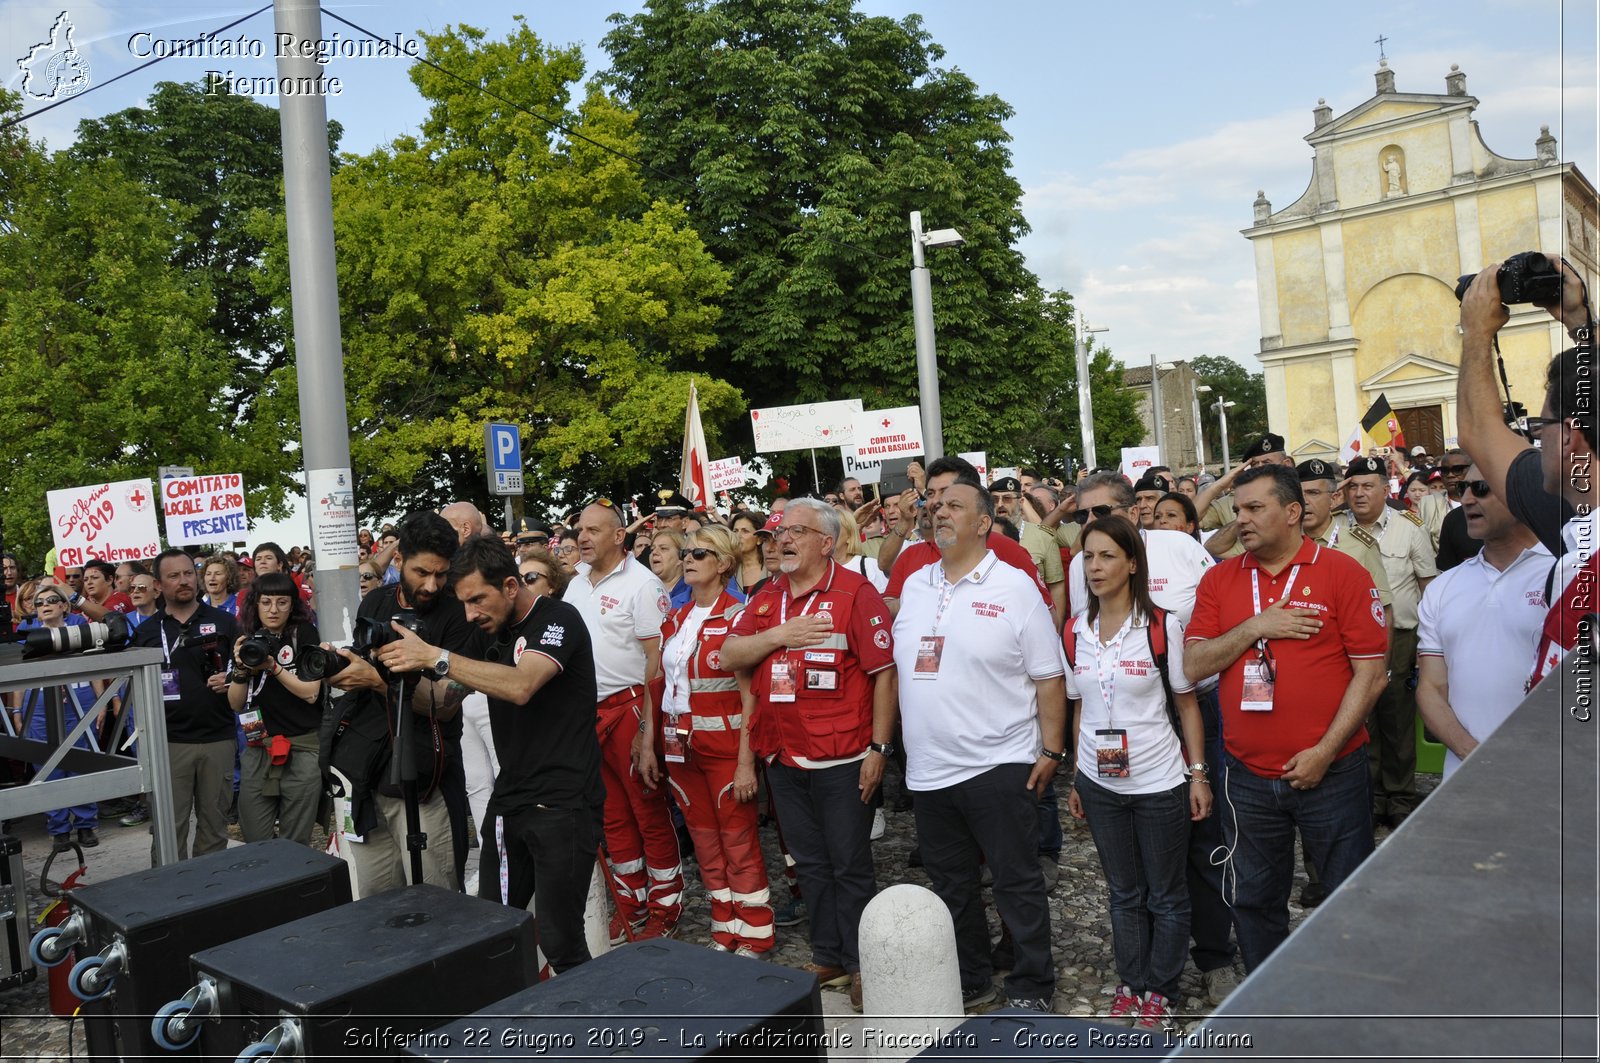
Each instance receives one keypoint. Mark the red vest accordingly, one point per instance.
(715, 708)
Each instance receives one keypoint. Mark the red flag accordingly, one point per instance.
(692, 477)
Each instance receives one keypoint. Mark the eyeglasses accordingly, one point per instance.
(606, 502)
(142, 588)
(1479, 488)
(367, 576)
(54, 599)
(565, 550)
(530, 578)
(699, 553)
(1536, 425)
(1097, 512)
(792, 530)
(1455, 470)
(1268, 662)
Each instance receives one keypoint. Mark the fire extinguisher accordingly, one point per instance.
(63, 931)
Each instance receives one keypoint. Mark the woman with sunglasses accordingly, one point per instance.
(29, 716)
(279, 780)
(369, 578)
(1130, 783)
(706, 750)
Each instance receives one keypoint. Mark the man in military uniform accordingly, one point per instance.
(1319, 482)
(1214, 501)
(672, 510)
(1408, 560)
(1037, 540)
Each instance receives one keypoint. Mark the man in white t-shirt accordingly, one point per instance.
(1477, 626)
(623, 604)
(983, 713)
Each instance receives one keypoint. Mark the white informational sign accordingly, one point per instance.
(1136, 461)
(813, 425)
(979, 459)
(1003, 471)
(331, 498)
(725, 474)
(895, 433)
(110, 522)
(868, 472)
(204, 509)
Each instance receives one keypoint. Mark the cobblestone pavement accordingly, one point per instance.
(1080, 924)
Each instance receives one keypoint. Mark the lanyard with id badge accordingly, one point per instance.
(930, 649)
(780, 675)
(169, 671)
(1110, 742)
(1259, 676)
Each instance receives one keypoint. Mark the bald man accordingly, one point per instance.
(467, 519)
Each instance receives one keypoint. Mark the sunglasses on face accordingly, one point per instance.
(54, 599)
(699, 553)
(143, 588)
(1082, 516)
(530, 578)
(1454, 470)
(365, 576)
(1479, 488)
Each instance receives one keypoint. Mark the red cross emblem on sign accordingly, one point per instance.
(887, 422)
(137, 498)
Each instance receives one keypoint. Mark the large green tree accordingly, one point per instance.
(1247, 417)
(493, 267)
(108, 363)
(801, 134)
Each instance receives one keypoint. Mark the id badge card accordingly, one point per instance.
(169, 684)
(674, 749)
(781, 686)
(255, 728)
(1111, 754)
(929, 652)
(1257, 693)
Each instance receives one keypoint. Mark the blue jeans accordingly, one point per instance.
(75, 701)
(1259, 818)
(827, 827)
(1143, 840)
(1210, 919)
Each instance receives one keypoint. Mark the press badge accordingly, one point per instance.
(169, 684)
(929, 652)
(1111, 754)
(255, 728)
(673, 749)
(1257, 693)
(781, 685)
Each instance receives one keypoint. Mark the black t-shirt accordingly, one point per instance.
(281, 710)
(1455, 545)
(547, 748)
(444, 626)
(1531, 504)
(199, 714)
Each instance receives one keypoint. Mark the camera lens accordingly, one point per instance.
(252, 654)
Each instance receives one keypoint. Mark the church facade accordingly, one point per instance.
(1356, 279)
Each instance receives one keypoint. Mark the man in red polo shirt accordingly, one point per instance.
(1297, 633)
(817, 647)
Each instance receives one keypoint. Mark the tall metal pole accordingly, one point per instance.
(1156, 410)
(1085, 402)
(927, 355)
(1222, 418)
(314, 296)
(1199, 430)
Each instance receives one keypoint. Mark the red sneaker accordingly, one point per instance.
(657, 926)
(1125, 1007)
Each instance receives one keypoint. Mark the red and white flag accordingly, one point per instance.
(693, 479)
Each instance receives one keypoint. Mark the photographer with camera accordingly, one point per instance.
(280, 709)
(193, 638)
(358, 736)
(1550, 485)
(543, 825)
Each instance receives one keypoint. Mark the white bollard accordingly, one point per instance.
(910, 980)
(597, 914)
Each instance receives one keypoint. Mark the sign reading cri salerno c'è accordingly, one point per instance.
(110, 522)
(895, 433)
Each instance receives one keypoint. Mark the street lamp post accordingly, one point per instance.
(1156, 412)
(1221, 406)
(1199, 427)
(922, 323)
(1085, 401)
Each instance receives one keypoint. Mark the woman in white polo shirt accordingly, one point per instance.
(1131, 784)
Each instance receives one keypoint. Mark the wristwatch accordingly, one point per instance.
(885, 748)
(441, 667)
(1057, 757)
(1197, 768)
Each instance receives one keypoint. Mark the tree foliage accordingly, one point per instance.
(1247, 418)
(109, 364)
(492, 267)
(802, 133)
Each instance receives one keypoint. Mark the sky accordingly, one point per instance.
(1142, 130)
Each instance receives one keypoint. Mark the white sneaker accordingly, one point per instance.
(879, 825)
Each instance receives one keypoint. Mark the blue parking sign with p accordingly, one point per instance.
(503, 447)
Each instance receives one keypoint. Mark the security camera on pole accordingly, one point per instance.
(922, 320)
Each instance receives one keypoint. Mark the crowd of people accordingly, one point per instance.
(1206, 666)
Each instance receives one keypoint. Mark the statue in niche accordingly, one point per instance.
(1393, 175)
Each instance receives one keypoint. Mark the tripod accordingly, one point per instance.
(403, 768)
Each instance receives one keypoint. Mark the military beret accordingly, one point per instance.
(1007, 483)
(1267, 444)
(1149, 482)
(1367, 467)
(1317, 469)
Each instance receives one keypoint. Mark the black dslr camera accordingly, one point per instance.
(259, 648)
(371, 635)
(1525, 278)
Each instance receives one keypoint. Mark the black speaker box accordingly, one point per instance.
(1016, 1033)
(662, 999)
(16, 965)
(166, 914)
(363, 979)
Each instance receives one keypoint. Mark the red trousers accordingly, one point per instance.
(641, 845)
(728, 847)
